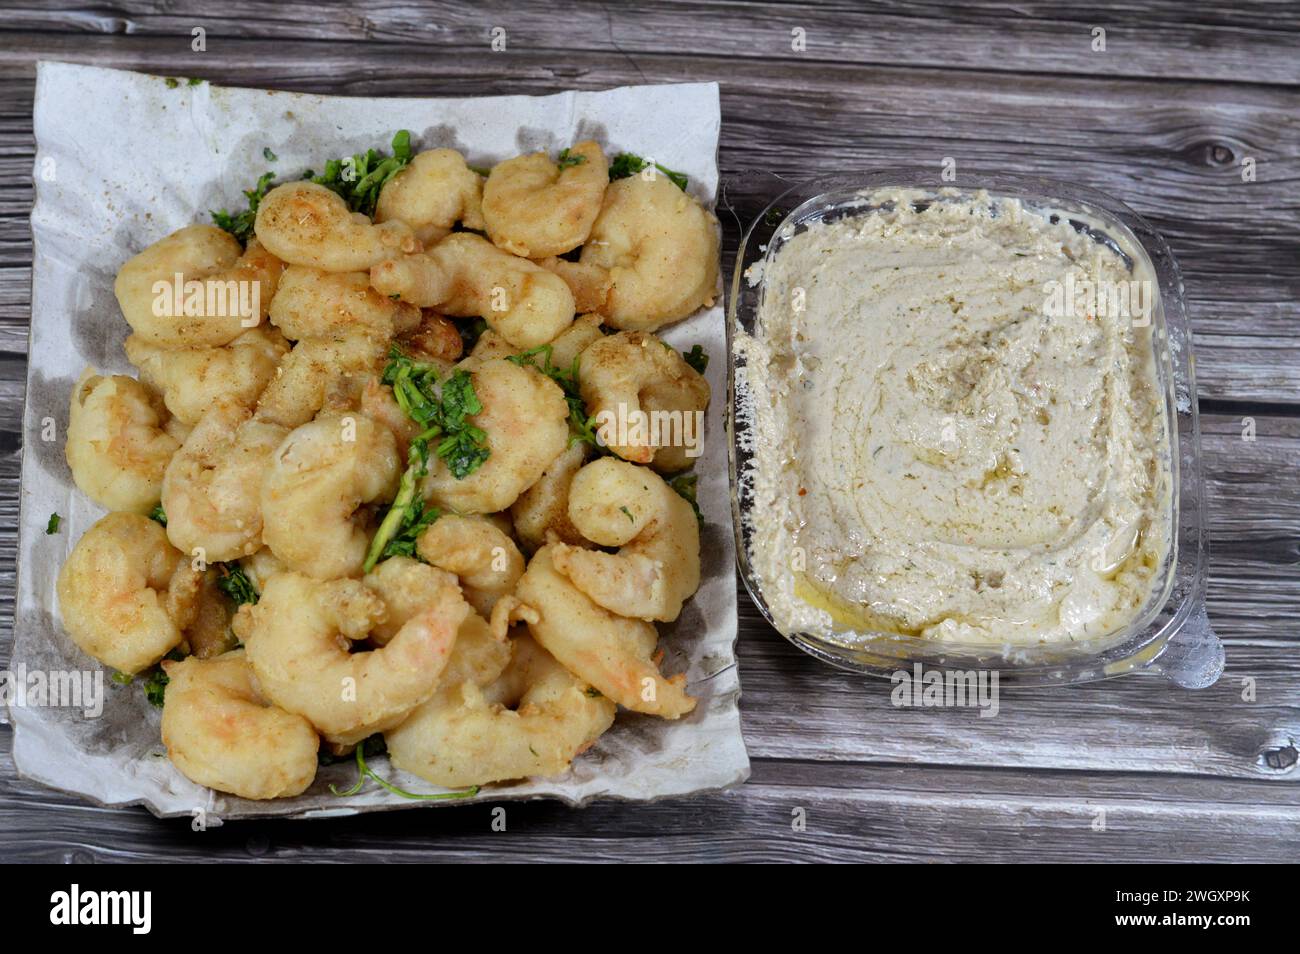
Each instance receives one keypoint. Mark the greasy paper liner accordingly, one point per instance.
(122, 160)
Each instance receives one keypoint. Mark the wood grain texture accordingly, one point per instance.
(1163, 120)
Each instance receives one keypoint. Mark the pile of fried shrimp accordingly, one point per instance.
(372, 509)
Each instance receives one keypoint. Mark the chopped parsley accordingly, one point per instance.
(686, 485)
(159, 515)
(52, 527)
(359, 178)
(442, 410)
(580, 426)
(377, 747)
(625, 164)
(240, 224)
(155, 687)
(568, 160)
(268, 155)
(697, 358)
(234, 582)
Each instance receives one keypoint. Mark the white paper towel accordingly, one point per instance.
(122, 160)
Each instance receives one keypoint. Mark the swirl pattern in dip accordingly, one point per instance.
(953, 438)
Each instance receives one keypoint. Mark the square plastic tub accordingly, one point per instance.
(1171, 634)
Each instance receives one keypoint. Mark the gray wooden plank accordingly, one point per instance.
(850, 812)
(1181, 775)
(1234, 240)
(1245, 42)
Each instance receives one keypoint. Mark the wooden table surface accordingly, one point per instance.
(1167, 117)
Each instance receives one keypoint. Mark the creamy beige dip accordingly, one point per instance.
(939, 451)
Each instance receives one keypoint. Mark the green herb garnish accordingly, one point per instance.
(625, 164)
(442, 410)
(234, 582)
(359, 178)
(52, 527)
(172, 82)
(268, 155)
(123, 678)
(159, 515)
(240, 224)
(568, 159)
(155, 687)
(697, 358)
(580, 426)
(686, 485)
(364, 772)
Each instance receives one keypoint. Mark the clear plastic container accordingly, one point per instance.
(1172, 634)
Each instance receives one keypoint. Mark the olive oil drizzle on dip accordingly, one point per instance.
(938, 451)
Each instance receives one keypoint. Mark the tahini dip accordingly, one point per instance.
(941, 447)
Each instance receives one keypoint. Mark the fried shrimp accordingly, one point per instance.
(307, 224)
(479, 553)
(633, 376)
(660, 248)
(317, 304)
(223, 290)
(126, 594)
(210, 491)
(612, 653)
(406, 586)
(589, 283)
(541, 514)
(435, 338)
(432, 194)
(318, 372)
(298, 645)
(534, 207)
(525, 418)
(657, 568)
(221, 733)
(466, 276)
(532, 721)
(191, 379)
(209, 633)
(314, 489)
(117, 445)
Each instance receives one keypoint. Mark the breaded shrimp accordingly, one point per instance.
(465, 275)
(191, 379)
(314, 489)
(611, 652)
(118, 446)
(525, 418)
(317, 304)
(212, 313)
(298, 645)
(126, 594)
(541, 514)
(535, 208)
(435, 338)
(210, 491)
(634, 375)
(432, 194)
(320, 372)
(532, 721)
(221, 733)
(660, 248)
(589, 283)
(480, 554)
(307, 224)
(657, 568)
(209, 633)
